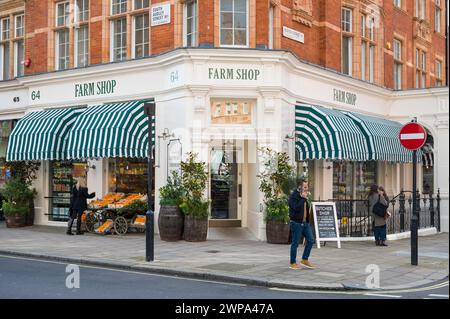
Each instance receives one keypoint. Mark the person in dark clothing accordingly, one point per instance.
(300, 217)
(377, 193)
(78, 204)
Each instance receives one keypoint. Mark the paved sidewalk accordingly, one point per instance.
(240, 260)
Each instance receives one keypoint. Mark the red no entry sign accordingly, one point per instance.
(412, 136)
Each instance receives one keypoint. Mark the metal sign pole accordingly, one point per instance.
(414, 217)
(149, 109)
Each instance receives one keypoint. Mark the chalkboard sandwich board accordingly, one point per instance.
(326, 222)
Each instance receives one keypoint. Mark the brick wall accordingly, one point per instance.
(318, 20)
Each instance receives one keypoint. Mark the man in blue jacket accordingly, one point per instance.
(300, 216)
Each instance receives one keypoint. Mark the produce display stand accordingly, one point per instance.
(111, 215)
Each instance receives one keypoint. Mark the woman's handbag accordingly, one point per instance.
(379, 209)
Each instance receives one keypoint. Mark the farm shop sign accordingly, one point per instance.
(95, 88)
(344, 97)
(234, 74)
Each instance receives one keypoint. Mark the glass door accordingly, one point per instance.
(226, 185)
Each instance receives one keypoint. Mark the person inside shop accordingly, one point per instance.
(300, 217)
(78, 204)
(379, 201)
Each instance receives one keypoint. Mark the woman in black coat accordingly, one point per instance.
(78, 204)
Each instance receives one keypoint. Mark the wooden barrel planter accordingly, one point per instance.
(29, 219)
(195, 229)
(15, 221)
(277, 232)
(170, 223)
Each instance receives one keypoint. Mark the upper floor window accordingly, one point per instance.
(420, 80)
(398, 65)
(118, 39)
(19, 25)
(438, 72)
(234, 22)
(141, 35)
(398, 3)
(62, 13)
(437, 16)
(4, 28)
(347, 20)
(62, 49)
(81, 46)
(4, 61)
(118, 6)
(363, 26)
(372, 29)
(81, 10)
(140, 4)
(190, 23)
(419, 9)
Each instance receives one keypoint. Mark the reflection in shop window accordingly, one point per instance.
(352, 180)
(128, 176)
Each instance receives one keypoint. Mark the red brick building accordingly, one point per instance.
(398, 44)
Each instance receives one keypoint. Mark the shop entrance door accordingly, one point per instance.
(226, 187)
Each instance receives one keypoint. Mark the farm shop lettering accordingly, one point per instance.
(344, 97)
(233, 74)
(95, 88)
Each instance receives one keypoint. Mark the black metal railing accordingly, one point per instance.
(355, 219)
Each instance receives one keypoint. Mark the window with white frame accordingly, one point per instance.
(4, 61)
(437, 16)
(438, 72)
(234, 23)
(62, 49)
(4, 29)
(118, 39)
(363, 60)
(19, 25)
(398, 66)
(141, 36)
(62, 13)
(372, 29)
(422, 9)
(190, 23)
(82, 46)
(347, 20)
(118, 6)
(398, 3)
(81, 10)
(271, 26)
(371, 63)
(19, 52)
(140, 4)
(363, 26)
(347, 41)
(420, 80)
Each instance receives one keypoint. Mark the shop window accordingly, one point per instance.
(128, 176)
(62, 175)
(352, 180)
(5, 131)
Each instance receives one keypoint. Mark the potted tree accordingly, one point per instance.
(25, 171)
(194, 205)
(276, 173)
(16, 204)
(171, 219)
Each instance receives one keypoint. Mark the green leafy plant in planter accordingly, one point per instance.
(137, 206)
(16, 204)
(194, 205)
(25, 171)
(170, 218)
(275, 177)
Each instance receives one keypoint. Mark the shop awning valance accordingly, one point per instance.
(110, 130)
(41, 135)
(323, 133)
(383, 138)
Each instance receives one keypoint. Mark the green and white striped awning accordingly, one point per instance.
(110, 130)
(41, 135)
(323, 133)
(383, 138)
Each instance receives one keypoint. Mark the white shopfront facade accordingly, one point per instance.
(223, 101)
